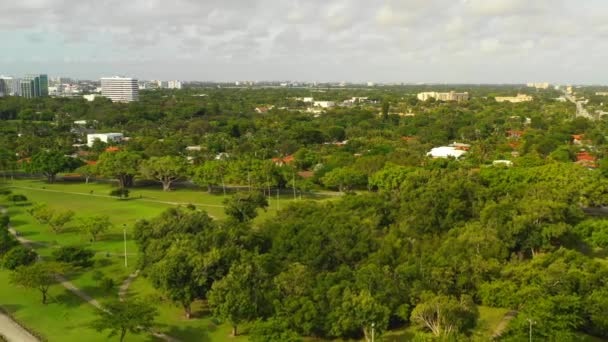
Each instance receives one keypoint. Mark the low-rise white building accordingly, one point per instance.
(90, 97)
(538, 85)
(449, 96)
(175, 84)
(446, 151)
(107, 138)
(324, 104)
(514, 99)
(506, 163)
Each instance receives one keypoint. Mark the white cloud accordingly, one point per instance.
(206, 39)
(490, 45)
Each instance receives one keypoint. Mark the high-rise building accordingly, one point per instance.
(175, 84)
(9, 86)
(34, 86)
(120, 89)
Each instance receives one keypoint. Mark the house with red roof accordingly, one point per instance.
(585, 159)
(283, 161)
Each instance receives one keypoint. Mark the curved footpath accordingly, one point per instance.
(13, 332)
(10, 329)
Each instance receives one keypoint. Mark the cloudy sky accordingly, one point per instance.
(464, 41)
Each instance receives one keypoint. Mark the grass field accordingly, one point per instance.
(67, 316)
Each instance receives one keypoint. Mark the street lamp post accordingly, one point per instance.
(373, 326)
(531, 322)
(124, 230)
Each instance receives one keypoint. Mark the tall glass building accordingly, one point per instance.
(35, 86)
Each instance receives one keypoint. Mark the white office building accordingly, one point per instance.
(175, 84)
(9, 86)
(107, 138)
(120, 89)
(324, 104)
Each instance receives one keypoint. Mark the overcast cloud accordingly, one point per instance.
(464, 41)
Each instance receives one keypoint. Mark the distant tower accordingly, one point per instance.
(120, 89)
(34, 86)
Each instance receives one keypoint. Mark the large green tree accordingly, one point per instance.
(95, 225)
(180, 275)
(48, 163)
(166, 169)
(122, 165)
(239, 296)
(39, 276)
(121, 317)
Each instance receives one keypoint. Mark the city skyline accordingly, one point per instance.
(467, 41)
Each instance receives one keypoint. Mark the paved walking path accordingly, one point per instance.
(504, 323)
(10, 329)
(13, 332)
(124, 287)
(70, 287)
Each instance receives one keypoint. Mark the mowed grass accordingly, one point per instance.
(67, 316)
(171, 320)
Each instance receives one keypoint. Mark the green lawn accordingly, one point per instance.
(66, 317)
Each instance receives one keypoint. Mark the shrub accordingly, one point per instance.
(18, 256)
(77, 256)
(120, 193)
(107, 284)
(7, 241)
(4, 221)
(16, 198)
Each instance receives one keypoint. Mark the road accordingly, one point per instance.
(581, 111)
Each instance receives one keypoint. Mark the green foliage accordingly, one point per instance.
(238, 297)
(87, 171)
(273, 330)
(243, 207)
(596, 306)
(16, 198)
(209, 174)
(594, 232)
(122, 165)
(181, 275)
(18, 256)
(48, 163)
(38, 276)
(359, 312)
(95, 225)
(164, 169)
(59, 219)
(344, 179)
(554, 318)
(41, 212)
(56, 219)
(7, 241)
(107, 284)
(4, 221)
(121, 193)
(121, 317)
(445, 316)
(74, 255)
